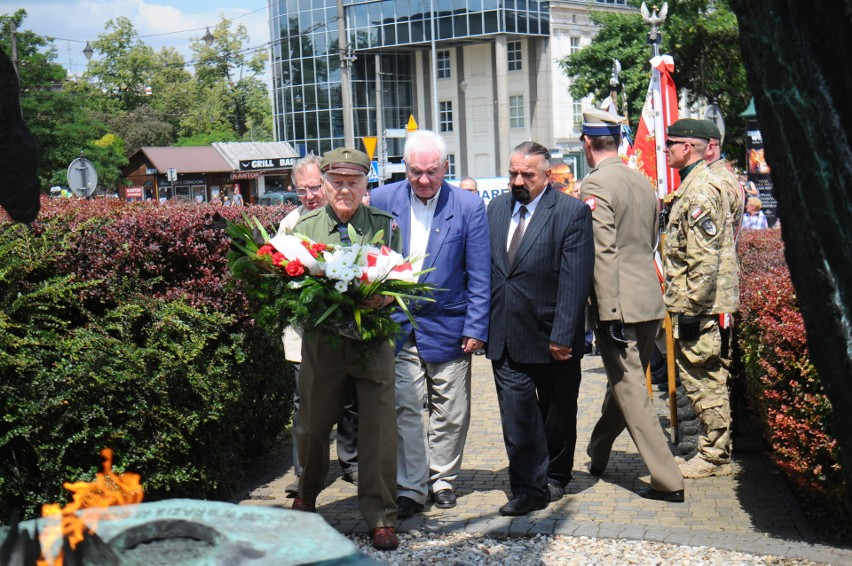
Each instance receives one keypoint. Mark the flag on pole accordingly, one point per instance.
(658, 113)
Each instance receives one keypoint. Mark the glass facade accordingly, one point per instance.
(307, 97)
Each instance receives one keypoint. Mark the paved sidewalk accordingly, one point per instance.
(751, 511)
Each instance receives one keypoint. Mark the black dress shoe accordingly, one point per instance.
(556, 490)
(595, 471)
(444, 499)
(670, 496)
(406, 507)
(351, 477)
(523, 504)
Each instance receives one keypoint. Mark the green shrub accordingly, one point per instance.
(150, 351)
(784, 393)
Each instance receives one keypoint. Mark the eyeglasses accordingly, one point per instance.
(670, 143)
(303, 191)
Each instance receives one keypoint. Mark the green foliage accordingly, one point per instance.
(185, 394)
(784, 392)
(703, 38)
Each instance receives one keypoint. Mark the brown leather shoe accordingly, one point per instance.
(300, 504)
(384, 538)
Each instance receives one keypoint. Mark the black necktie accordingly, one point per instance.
(343, 228)
(518, 235)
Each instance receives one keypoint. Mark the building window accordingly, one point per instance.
(516, 111)
(443, 57)
(451, 165)
(575, 45)
(445, 115)
(578, 112)
(514, 55)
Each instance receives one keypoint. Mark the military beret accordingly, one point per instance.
(601, 123)
(713, 130)
(690, 128)
(344, 161)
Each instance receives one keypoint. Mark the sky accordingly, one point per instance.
(84, 20)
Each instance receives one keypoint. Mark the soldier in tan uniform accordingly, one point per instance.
(626, 303)
(702, 291)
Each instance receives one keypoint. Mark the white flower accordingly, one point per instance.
(341, 286)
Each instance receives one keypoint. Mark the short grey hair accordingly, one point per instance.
(424, 140)
(304, 162)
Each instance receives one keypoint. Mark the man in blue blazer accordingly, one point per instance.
(444, 229)
(542, 261)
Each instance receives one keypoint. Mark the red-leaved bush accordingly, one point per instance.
(784, 393)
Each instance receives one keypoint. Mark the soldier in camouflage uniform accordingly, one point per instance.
(702, 290)
(720, 167)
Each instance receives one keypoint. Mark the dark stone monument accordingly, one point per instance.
(190, 533)
(798, 55)
(20, 192)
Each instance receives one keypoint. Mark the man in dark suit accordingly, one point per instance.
(446, 230)
(542, 261)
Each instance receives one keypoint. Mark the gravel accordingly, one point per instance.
(457, 549)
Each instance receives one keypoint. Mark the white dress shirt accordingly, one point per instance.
(421, 224)
(516, 217)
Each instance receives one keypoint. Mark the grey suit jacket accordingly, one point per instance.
(541, 298)
(624, 214)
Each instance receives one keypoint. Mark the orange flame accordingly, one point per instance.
(107, 490)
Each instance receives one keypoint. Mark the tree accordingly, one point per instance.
(702, 37)
(794, 56)
(226, 62)
(124, 67)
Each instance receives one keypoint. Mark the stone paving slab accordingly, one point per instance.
(750, 511)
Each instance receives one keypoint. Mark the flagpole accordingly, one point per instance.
(655, 19)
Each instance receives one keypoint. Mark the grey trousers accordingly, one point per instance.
(429, 457)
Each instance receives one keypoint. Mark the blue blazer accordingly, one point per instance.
(459, 249)
(542, 297)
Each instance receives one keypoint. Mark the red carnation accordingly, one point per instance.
(295, 268)
(265, 249)
(278, 259)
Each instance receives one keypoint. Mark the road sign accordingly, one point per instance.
(374, 172)
(370, 145)
(171, 175)
(396, 133)
(412, 123)
(82, 177)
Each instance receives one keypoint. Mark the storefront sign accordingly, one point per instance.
(244, 175)
(183, 179)
(260, 164)
(133, 192)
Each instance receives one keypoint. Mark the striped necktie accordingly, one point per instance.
(518, 235)
(343, 229)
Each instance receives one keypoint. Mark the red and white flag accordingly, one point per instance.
(658, 113)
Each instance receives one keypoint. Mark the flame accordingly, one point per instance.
(107, 490)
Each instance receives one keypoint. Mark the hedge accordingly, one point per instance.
(784, 394)
(120, 327)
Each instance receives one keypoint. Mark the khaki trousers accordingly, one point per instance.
(626, 405)
(324, 375)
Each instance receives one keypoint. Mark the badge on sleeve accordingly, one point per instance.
(708, 226)
(591, 202)
(696, 212)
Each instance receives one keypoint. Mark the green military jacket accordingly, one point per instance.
(702, 276)
(736, 196)
(320, 225)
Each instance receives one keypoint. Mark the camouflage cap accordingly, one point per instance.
(345, 161)
(690, 128)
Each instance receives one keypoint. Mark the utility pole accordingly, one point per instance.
(346, 59)
(380, 126)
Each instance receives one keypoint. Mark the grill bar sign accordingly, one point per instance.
(259, 164)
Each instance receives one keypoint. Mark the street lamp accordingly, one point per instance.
(714, 114)
(88, 51)
(208, 38)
